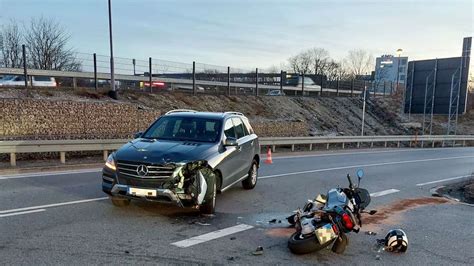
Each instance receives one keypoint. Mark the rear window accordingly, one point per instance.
(42, 78)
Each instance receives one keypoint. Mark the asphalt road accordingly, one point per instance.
(66, 219)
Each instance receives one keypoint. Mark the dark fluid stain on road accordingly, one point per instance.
(388, 213)
(283, 232)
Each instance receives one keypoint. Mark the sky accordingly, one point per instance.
(258, 33)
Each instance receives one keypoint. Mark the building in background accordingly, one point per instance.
(439, 85)
(388, 67)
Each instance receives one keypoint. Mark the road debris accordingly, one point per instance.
(370, 233)
(205, 224)
(258, 251)
(272, 221)
(233, 238)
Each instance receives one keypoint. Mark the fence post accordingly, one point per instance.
(384, 88)
(134, 63)
(281, 81)
(228, 80)
(337, 87)
(373, 87)
(256, 81)
(150, 74)
(194, 78)
(352, 87)
(25, 72)
(322, 81)
(302, 84)
(95, 72)
(391, 87)
(74, 82)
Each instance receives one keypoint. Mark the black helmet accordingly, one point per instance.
(396, 241)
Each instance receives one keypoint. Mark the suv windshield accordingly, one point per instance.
(184, 129)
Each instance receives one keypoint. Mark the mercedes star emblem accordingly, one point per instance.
(142, 170)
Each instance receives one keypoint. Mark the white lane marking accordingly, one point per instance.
(384, 192)
(20, 213)
(442, 180)
(52, 205)
(50, 173)
(364, 165)
(211, 236)
(355, 153)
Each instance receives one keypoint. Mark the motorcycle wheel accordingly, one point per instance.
(298, 245)
(340, 244)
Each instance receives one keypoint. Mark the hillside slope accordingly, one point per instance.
(321, 116)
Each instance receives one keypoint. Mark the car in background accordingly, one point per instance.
(185, 157)
(36, 81)
(275, 93)
(154, 84)
(294, 83)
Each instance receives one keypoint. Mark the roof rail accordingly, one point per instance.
(234, 113)
(180, 111)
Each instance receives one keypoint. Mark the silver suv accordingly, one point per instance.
(185, 157)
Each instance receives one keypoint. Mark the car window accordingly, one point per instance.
(42, 79)
(239, 128)
(229, 129)
(308, 81)
(19, 78)
(292, 81)
(248, 127)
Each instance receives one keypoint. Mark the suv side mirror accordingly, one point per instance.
(230, 142)
(137, 135)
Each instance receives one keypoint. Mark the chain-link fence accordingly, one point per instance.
(154, 75)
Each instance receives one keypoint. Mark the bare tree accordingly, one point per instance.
(301, 63)
(320, 60)
(272, 69)
(10, 45)
(47, 46)
(332, 71)
(359, 62)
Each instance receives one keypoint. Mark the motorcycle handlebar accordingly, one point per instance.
(350, 181)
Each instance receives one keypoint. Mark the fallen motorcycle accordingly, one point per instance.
(327, 219)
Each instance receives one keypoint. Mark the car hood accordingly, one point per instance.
(164, 151)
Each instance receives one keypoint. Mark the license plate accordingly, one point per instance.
(140, 192)
(325, 234)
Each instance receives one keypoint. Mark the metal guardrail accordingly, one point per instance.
(63, 146)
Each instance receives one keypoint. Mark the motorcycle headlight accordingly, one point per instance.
(110, 163)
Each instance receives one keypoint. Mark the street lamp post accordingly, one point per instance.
(363, 109)
(399, 53)
(113, 92)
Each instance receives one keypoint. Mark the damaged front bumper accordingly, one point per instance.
(179, 195)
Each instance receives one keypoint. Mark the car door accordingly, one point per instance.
(230, 164)
(246, 143)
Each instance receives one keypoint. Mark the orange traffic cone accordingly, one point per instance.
(269, 157)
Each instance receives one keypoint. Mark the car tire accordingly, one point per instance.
(251, 181)
(120, 202)
(209, 204)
